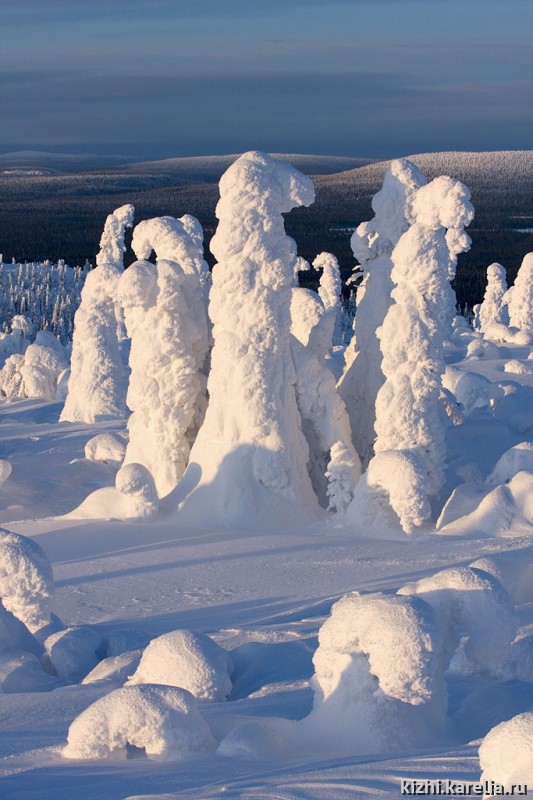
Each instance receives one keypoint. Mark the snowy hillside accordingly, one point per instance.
(238, 559)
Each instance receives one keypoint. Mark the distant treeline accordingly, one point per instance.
(62, 216)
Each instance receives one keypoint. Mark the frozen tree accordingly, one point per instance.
(408, 413)
(520, 297)
(26, 580)
(492, 308)
(249, 463)
(329, 290)
(97, 385)
(36, 372)
(372, 245)
(309, 322)
(166, 320)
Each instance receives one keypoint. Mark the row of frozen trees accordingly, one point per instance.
(228, 384)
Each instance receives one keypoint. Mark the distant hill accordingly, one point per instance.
(53, 214)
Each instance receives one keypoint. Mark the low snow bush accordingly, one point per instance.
(72, 653)
(378, 676)
(473, 604)
(517, 458)
(26, 580)
(505, 754)
(107, 447)
(135, 483)
(164, 721)
(190, 660)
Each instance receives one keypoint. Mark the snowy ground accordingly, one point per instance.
(263, 596)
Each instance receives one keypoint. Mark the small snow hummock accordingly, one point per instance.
(248, 465)
(505, 754)
(110, 448)
(26, 580)
(190, 660)
(166, 319)
(372, 245)
(164, 721)
(517, 458)
(493, 308)
(71, 653)
(378, 680)
(408, 413)
(469, 603)
(133, 498)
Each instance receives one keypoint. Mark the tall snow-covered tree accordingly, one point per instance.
(97, 384)
(248, 465)
(408, 414)
(166, 319)
(493, 308)
(520, 296)
(372, 245)
(329, 290)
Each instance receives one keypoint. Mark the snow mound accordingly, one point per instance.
(5, 470)
(107, 447)
(26, 580)
(469, 603)
(505, 752)
(14, 635)
(21, 671)
(518, 663)
(470, 389)
(309, 323)
(514, 406)
(252, 740)
(378, 676)
(162, 720)
(516, 459)
(122, 640)
(481, 348)
(115, 670)
(518, 367)
(133, 498)
(71, 653)
(190, 660)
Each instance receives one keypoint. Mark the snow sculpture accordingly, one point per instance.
(190, 660)
(372, 245)
(249, 462)
(166, 319)
(161, 720)
(505, 753)
(97, 385)
(520, 297)
(471, 602)
(493, 309)
(378, 676)
(408, 414)
(26, 581)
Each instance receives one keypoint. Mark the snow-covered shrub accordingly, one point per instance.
(482, 348)
(517, 458)
(408, 414)
(372, 245)
(97, 384)
(136, 484)
(334, 466)
(107, 447)
(493, 308)
(469, 602)
(16, 342)
(378, 676)
(161, 720)
(26, 580)
(520, 297)
(166, 319)
(36, 372)
(505, 752)
(71, 653)
(190, 660)
(518, 367)
(249, 462)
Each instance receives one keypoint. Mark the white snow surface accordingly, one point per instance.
(161, 720)
(190, 660)
(505, 752)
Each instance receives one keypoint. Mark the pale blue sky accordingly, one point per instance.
(156, 78)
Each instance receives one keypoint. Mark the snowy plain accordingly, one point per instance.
(261, 595)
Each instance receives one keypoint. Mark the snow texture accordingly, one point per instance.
(166, 319)
(190, 660)
(493, 309)
(408, 413)
(469, 603)
(378, 676)
(505, 752)
(161, 720)
(372, 245)
(26, 580)
(520, 297)
(249, 462)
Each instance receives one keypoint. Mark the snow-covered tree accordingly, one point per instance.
(329, 290)
(166, 320)
(372, 245)
(309, 322)
(492, 308)
(97, 385)
(520, 297)
(249, 463)
(408, 413)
